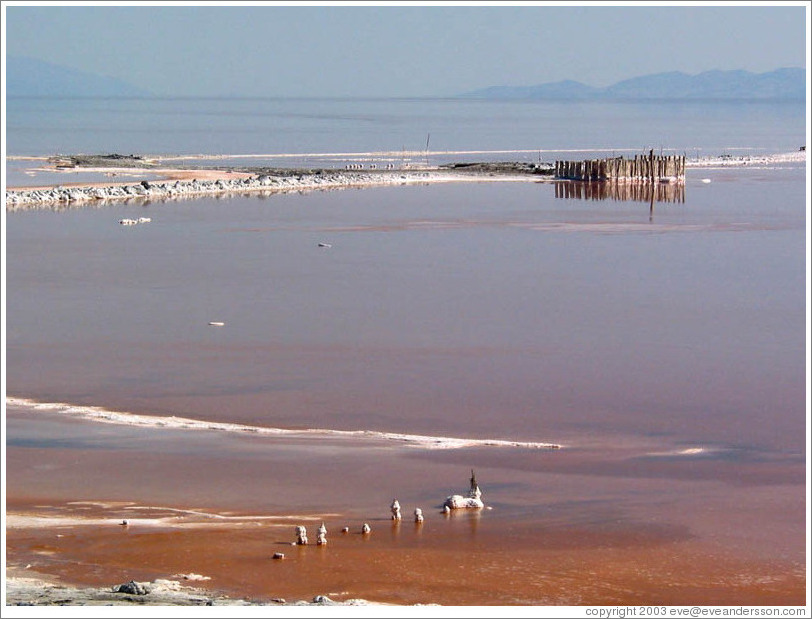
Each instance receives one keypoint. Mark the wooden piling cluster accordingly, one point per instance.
(642, 169)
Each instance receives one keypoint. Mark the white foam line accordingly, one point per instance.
(102, 415)
(684, 452)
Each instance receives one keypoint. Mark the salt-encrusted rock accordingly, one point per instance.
(418, 514)
(323, 600)
(279, 556)
(472, 501)
(132, 587)
(395, 508)
(301, 536)
(366, 529)
(322, 539)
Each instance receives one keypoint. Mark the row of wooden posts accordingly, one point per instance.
(643, 168)
(634, 192)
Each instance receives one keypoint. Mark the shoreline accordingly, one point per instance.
(178, 183)
(200, 535)
(43, 591)
(193, 182)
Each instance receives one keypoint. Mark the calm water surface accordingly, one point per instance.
(663, 347)
(467, 309)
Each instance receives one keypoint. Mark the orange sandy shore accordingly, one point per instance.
(405, 563)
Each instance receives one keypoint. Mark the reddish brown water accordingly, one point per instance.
(669, 361)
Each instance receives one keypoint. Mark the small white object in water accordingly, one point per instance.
(706, 180)
(217, 324)
(324, 245)
(366, 529)
(144, 220)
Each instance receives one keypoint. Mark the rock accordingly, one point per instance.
(323, 600)
(395, 508)
(366, 529)
(301, 536)
(418, 515)
(472, 501)
(322, 538)
(132, 587)
(279, 556)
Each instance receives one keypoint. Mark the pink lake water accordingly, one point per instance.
(663, 349)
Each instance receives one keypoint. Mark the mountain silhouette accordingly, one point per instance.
(781, 84)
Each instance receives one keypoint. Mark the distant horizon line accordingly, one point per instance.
(459, 98)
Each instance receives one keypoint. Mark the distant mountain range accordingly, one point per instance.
(781, 84)
(28, 77)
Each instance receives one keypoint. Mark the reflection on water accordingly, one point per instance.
(637, 192)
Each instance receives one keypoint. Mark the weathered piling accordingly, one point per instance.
(649, 168)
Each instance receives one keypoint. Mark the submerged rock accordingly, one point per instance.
(132, 587)
(472, 501)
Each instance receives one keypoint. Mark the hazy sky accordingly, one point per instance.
(268, 49)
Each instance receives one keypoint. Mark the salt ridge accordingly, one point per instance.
(102, 415)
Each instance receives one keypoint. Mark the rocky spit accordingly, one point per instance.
(35, 592)
(288, 180)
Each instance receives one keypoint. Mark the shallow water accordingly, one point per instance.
(662, 347)
(481, 310)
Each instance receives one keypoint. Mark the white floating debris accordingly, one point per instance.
(144, 220)
(325, 245)
(706, 180)
(215, 323)
(128, 222)
(191, 576)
